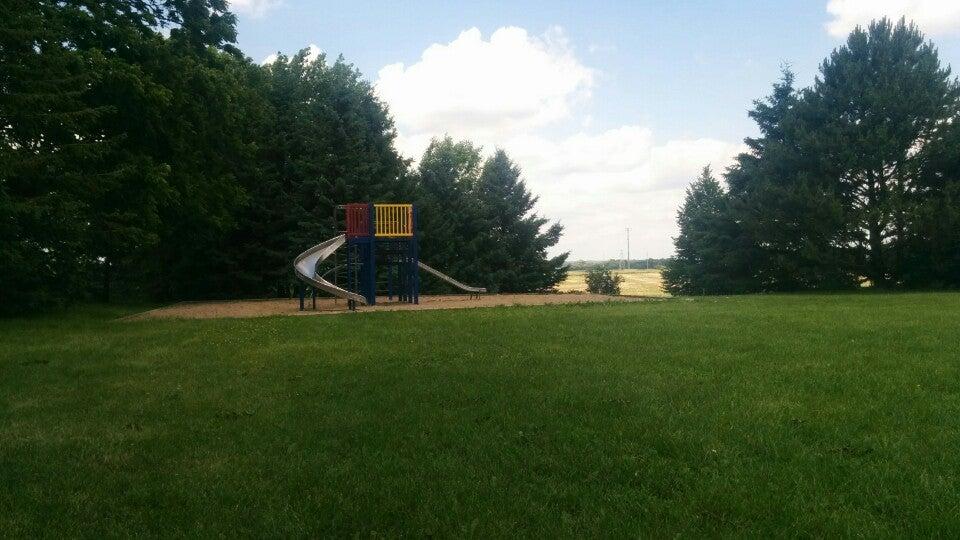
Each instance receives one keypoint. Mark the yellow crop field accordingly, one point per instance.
(635, 282)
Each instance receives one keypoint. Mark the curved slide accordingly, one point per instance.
(305, 266)
(450, 280)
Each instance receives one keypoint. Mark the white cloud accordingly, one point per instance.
(509, 83)
(595, 48)
(520, 92)
(932, 16)
(597, 184)
(253, 8)
(313, 53)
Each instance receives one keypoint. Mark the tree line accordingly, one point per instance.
(144, 156)
(633, 264)
(853, 181)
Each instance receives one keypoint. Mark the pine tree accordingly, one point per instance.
(932, 244)
(791, 225)
(451, 224)
(74, 197)
(199, 132)
(850, 180)
(41, 225)
(757, 181)
(328, 141)
(878, 100)
(702, 262)
(516, 243)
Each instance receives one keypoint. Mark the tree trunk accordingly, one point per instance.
(877, 268)
(107, 278)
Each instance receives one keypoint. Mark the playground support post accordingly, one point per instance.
(390, 278)
(414, 270)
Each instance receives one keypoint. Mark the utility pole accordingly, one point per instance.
(628, 248)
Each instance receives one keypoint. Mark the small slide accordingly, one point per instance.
(450, 280)
(305, 266)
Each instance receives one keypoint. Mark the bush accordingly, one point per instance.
(601, 280)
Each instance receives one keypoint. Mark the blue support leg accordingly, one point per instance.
(415, 248)
(371, 271)
(390, 280)
(415, 268)
(402, 276)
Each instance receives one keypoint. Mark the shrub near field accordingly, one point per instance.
(757, 416)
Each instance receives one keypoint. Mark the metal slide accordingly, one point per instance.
(450, 280)
(306, 267)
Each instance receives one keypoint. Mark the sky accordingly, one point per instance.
(610, 108)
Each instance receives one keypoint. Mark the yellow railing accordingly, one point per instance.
(394, 220)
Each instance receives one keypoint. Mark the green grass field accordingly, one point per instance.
(760, 415)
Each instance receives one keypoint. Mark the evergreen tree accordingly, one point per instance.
(515, 248)
(74, 197)
(477, 221)
(703, 261)
(451, 224)
(849, 179)
(932, 244)
(328, 141)
(878, 100)
(791, 224)
(198, 132)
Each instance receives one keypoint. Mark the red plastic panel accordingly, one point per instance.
(358, 219)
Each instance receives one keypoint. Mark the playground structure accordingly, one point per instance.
(381, 243)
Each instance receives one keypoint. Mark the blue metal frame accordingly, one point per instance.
(415, 263)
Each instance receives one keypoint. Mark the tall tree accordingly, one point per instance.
(879, 99)
(477, 221)
(198, 131)
(142, 154)
(450, 221)
(74, 195)
(850, 180)
(932, 243)
(328, 140)
(791, 224)
(703, 260)
(514, 254)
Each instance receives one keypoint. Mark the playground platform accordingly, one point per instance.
(329, 306)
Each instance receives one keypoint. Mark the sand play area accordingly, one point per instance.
(291, 306)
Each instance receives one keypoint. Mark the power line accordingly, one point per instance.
(628, 248)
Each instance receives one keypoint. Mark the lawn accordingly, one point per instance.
(786, 415)
(635, 282)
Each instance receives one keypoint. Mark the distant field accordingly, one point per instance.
(636, 282)
(756, 416)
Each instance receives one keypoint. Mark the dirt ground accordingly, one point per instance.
(290, 306)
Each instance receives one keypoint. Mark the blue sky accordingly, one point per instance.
(609, 108)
